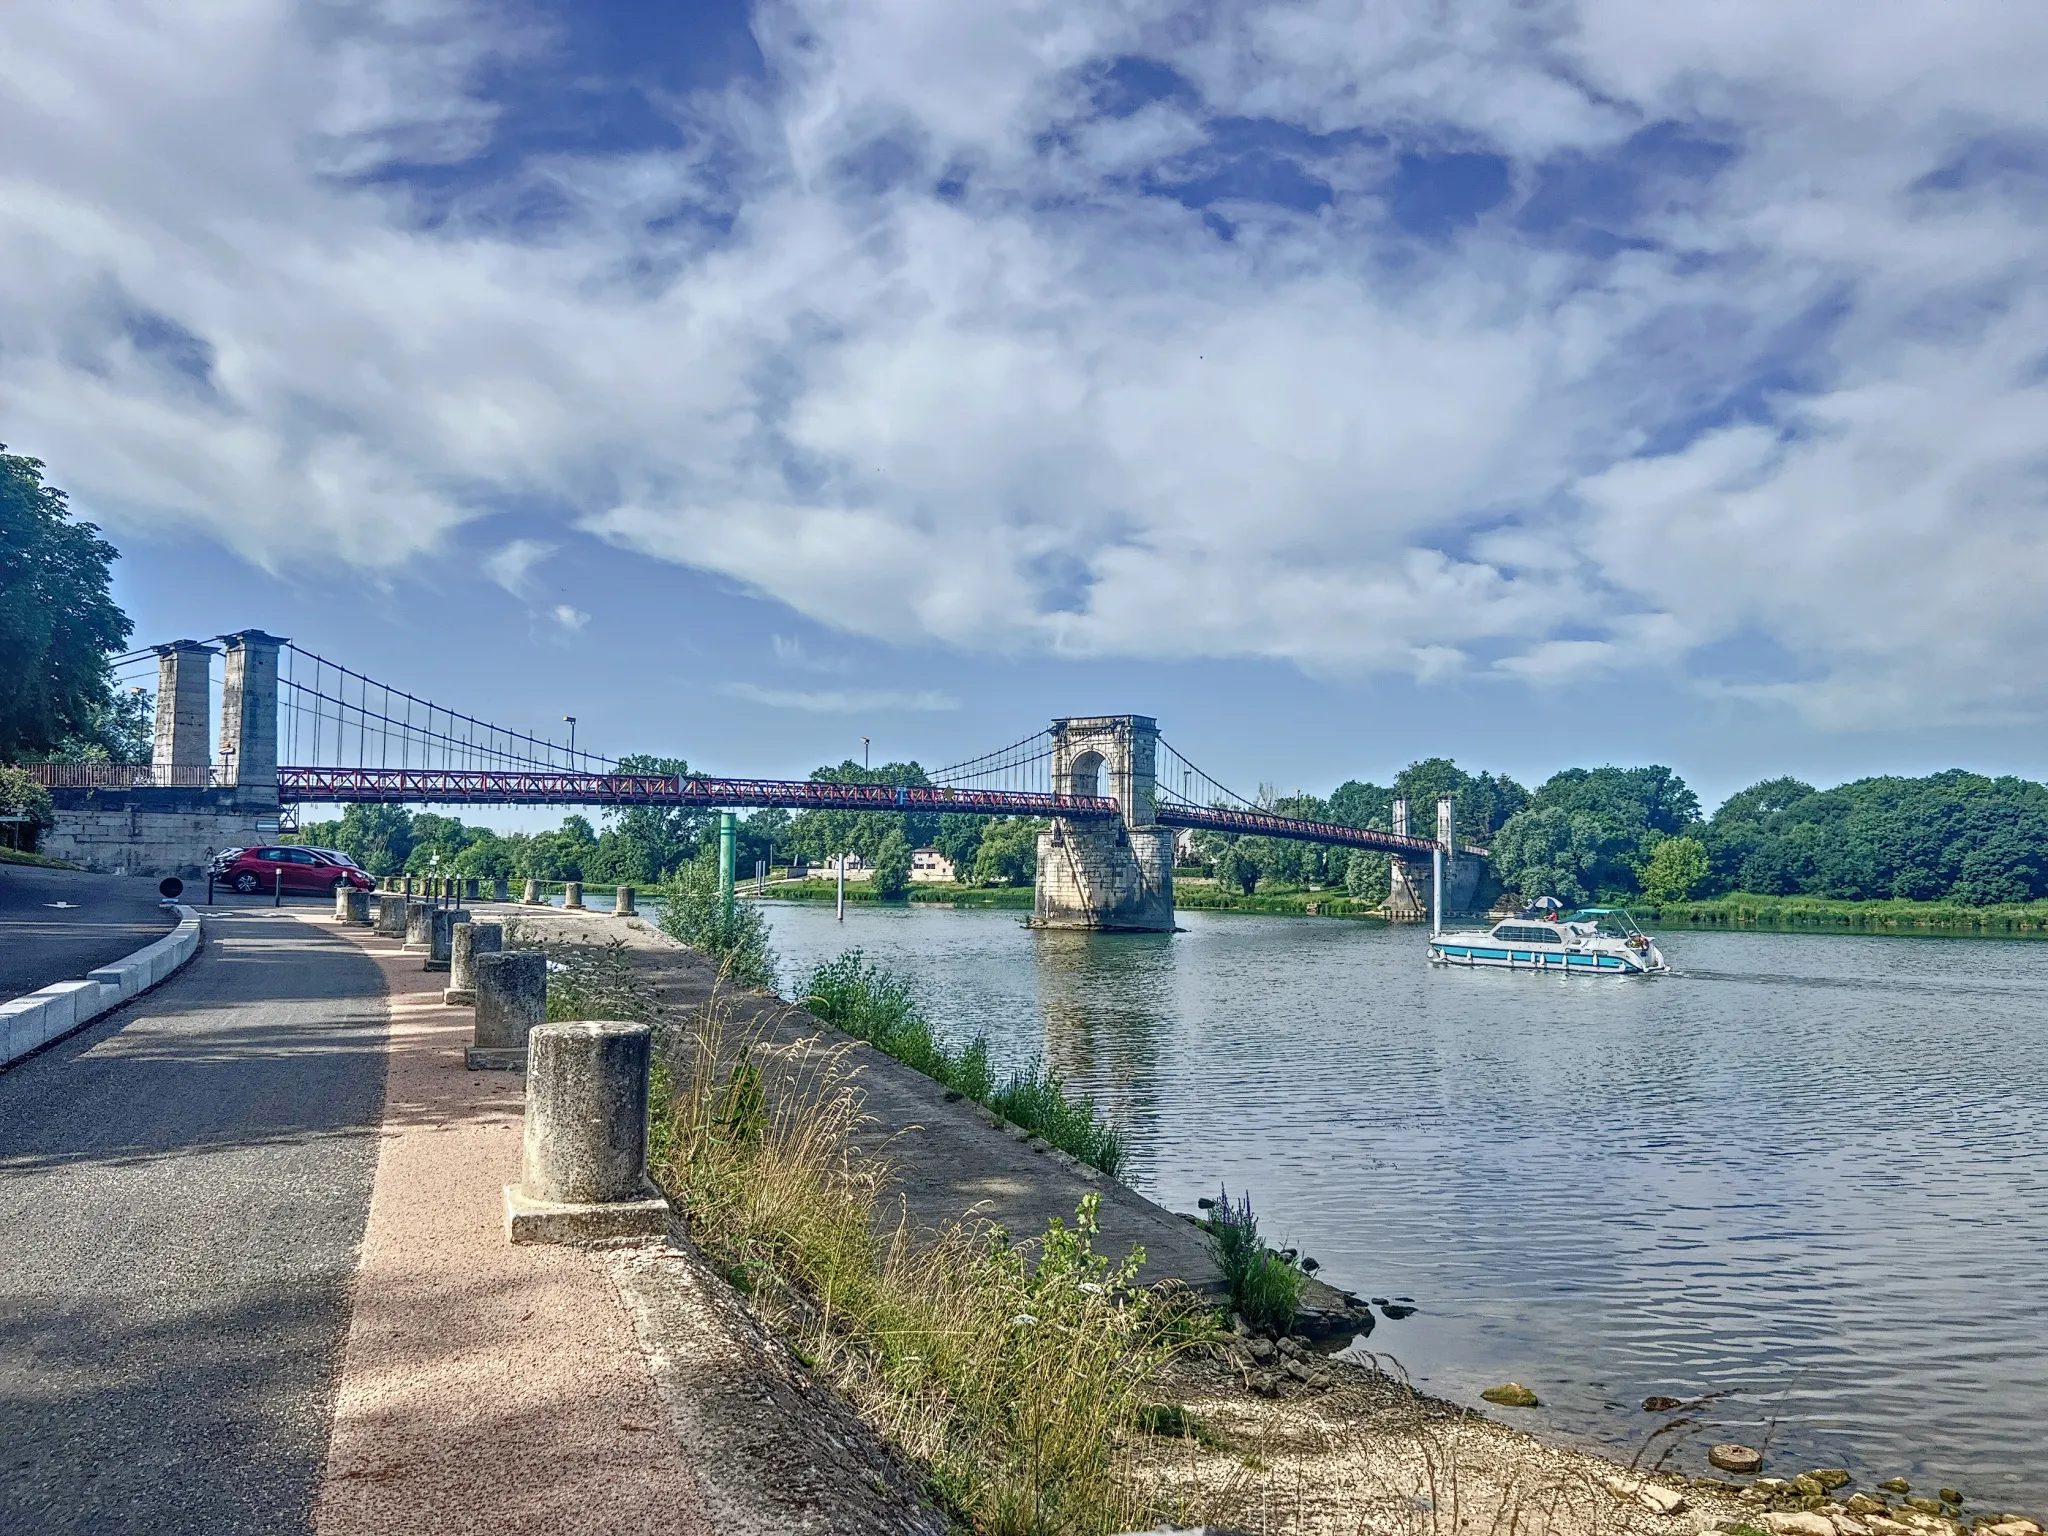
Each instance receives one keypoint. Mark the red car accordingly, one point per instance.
(259, 871)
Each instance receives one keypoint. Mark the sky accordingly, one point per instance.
(1536, 383)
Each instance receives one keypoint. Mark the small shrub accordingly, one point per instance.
(1265, 1288)
(734, 935)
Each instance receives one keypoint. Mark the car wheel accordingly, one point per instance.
(340, 884)
(246, 883)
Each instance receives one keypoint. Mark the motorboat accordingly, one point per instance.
(1593, 941)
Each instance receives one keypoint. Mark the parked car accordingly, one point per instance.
(255, 870)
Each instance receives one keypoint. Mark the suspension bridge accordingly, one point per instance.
(300, 729)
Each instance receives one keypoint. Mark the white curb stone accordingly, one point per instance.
(31, 1022)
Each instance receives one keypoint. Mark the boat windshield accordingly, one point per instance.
(1609, 922)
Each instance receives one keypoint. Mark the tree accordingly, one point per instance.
(58, 619)
(378, 837)
(1008, 852)
(645, 842)
(122, 729)
(22, 796)
(1236, 869)
(892, 867)
(1678, 867)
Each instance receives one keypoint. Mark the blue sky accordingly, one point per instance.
(1533, 383)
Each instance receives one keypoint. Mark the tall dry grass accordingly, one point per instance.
(1011, 1372)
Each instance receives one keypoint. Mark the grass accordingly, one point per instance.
(873, 1004)
(1210, 897)
(1741, 910)
(16, 856)
(1265, 1287)
(1011, 1372)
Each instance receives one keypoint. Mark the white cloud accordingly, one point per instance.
(571, 619)
(1055, 414)
(511, 565)
(842, 701)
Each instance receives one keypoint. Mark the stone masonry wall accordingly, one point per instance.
(1088, 880)
(155, 832)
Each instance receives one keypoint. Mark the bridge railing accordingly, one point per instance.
(1295, 829)
(469, 786)
(123, 775)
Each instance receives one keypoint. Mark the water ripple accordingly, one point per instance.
(1807, 1169)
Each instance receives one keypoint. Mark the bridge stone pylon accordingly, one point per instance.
(1111, 876)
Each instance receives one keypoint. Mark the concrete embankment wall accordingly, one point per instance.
(31, 1022)
(156, 832)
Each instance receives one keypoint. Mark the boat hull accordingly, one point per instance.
(1487, 953)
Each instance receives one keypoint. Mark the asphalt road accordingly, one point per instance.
(100, 919)
(183, 1188)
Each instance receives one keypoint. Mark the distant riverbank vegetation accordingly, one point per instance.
(1960, 841)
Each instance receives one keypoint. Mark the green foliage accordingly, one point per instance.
(1588, 831)
(121, 728)
(645, 843)
(1236, 869)
(21, 795)
(874, 1004)
(1953, 836)
(733, 934)
(1265, 1287)
(892, 867)
(1008, 852)
(1677, 868)
(58, 619)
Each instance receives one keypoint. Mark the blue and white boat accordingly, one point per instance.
(1593, 941)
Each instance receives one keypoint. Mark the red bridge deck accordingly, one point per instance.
(463, 786)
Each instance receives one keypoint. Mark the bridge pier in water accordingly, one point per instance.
(1108, 876)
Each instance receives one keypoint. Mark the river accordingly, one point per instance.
(1810, 1172)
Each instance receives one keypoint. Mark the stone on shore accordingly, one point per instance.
(1654, 1497)
(1799, 1522)
(1736, 1458)
(1512, 1394)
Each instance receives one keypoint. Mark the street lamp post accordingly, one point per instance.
(863, 754)
(572, 739)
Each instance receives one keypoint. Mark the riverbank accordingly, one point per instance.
(1016, 898)
(1269, 1436)
(1819, 913)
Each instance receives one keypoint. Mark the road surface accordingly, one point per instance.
(183, 1188)
(57, 924)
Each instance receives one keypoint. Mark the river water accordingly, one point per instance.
(1810, 1172)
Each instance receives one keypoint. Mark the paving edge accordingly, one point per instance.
(33, 1020)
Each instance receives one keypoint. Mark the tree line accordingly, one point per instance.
(1621, 834)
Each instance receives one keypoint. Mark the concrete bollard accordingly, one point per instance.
(440, 943)
(465, 942)
(419, 925)
(531, 895)
(511, 998)
(391, 916)
(471, 890)
(351, 906)
(623, 906)
(500, 889)
(572, 895)
(583, 1163)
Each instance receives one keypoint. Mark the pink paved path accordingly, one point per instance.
(484, 1387)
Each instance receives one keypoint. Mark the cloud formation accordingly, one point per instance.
(1543, 342)
(842, 701)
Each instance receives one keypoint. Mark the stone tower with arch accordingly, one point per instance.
(1114, 876)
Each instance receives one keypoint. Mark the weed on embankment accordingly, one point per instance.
(1010, 1373)
(874, 1004)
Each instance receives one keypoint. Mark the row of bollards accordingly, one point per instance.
(583, 1158)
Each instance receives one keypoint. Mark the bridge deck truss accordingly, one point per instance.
(457, 786)
(1294, 829)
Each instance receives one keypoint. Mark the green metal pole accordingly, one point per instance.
(728, 837)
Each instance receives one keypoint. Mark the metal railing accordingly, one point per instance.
(125, 775)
